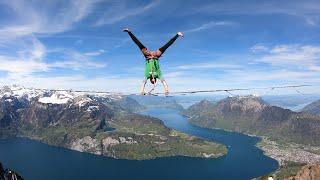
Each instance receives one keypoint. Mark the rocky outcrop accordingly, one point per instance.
(308, 172)
(87, 144)
(109, 142)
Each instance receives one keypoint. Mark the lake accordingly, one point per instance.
(35, 160)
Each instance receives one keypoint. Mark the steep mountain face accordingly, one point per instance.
(250, 114)
(10, 115)
(129, 104)
(99, 124)
(313, 108)
(38, 114)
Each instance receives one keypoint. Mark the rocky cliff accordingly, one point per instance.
(308, 172)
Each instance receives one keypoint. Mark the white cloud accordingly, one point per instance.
(23, 53)
(75, 60)
(77, 64)
(209, 65)
(122, 10)
(314, 68)
(299, 56)
(30, 57)
(22, 66)
(32, 17)
(313, 20)
(178, 81)
(209, 25)
(258, 48)
(174, 74)
(309, 11)
(95, 53)
(76, 82)
(250, 75)
(37, 52)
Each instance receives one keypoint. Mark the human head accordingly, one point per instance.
(153, 80)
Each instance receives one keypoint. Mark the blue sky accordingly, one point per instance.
(227, 44)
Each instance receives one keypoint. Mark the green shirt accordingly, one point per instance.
(152, 67)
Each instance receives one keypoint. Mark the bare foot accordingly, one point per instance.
(180, 34)
(126, 30)
(142, 93)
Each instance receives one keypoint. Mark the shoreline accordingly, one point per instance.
(282, 153)
(289, 152)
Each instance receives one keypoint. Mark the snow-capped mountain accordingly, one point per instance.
(44, 108)
(33, 110)
(54, 96)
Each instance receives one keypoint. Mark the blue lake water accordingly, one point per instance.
(35, 160)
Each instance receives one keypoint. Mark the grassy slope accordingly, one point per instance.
(154, 139)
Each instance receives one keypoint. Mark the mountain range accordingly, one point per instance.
(252, 115)
(158, 102)
(96, 123)
(313, 108)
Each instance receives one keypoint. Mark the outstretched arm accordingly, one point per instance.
(165, 47)
(142, 87)
(135, 40)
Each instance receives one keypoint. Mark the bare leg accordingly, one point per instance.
(169, 43)
(135, 39)
(166, 88)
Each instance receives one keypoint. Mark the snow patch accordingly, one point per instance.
(83, 101)
(55, 96)
(9, 100)
(93, 108)
(55, 99)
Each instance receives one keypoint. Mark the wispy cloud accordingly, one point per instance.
(307, 10)
(95, 53)
(209, 25)
(21, 66)
(75, 60)
(122, 10)
(283, 75)
(28, 58)
(258, 48)
(45, 18)
(209, 65)
(299, 56)
(27, 54)
(32, 58)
